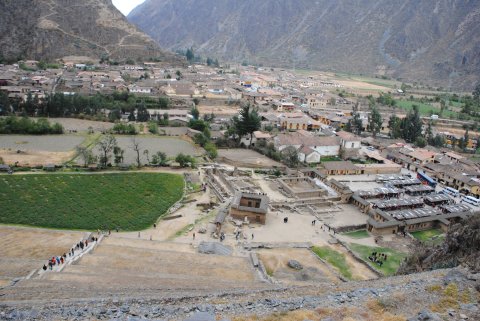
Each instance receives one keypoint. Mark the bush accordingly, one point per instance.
(211, 150)
(124, 129)
(185, 160)
(420, 142)
(153, 127)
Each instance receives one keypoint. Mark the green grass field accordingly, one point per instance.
(362, 234)
(130, 201)
(429, 236)
(424, 109)
(389, 267)
(335, 258)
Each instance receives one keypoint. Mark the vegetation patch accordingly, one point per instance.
(428, 235)
(335, 258)
(389, 266)
(131, 201)
(361, 234)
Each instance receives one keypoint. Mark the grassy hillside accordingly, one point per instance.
(130, 201)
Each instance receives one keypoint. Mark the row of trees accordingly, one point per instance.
(60, 105)
(109, 150)
(25, 125)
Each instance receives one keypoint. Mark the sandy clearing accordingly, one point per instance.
(35, 158)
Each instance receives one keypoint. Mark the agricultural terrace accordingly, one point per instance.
(130, 201)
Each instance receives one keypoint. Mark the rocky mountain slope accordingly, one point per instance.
(49, 29)
(436, 42)
(461, 247)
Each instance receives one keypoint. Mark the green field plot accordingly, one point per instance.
(433, 235)
(389, 267)
(361, 234)
(130, 201)
(335, 258)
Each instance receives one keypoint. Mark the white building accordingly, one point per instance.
(349, 140)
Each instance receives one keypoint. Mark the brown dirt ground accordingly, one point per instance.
(35, 158)
(275, 261)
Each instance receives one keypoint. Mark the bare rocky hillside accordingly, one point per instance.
(435, 42)
(461, 247)
(49, 29)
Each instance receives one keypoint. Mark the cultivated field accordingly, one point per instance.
(170, 146)
(50, 143)
(31, 150)
(130, 201)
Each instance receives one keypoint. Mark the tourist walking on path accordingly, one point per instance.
(194, 236)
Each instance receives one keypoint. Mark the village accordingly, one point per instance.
(314, 193)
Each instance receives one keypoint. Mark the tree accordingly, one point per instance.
(163, 103)
(429, 133)
(137, 148)
(200, 139)
(394, 124)
(160, 158)
(147, 155)
(375, 122)
(438, 141)
(142, 112)
(195, 113)
(466, 139)
(190, 55)
(106, 146)
(247, 122)
(211, 150)
(85, 154)
(118, 155)
(420, 142)
(185, 160)
(290, 157)
(354, 124)
(411, 125)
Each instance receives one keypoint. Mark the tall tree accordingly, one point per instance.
(118, 155)
(195, 113)
(412, 125)
(375, 121)
(394, 124)
(354, 124)
(85, 154)
(429, 134)
(466, 139)
(106, 146)
(290, 157)
(247, 121)
(137, 149)
(190, 54)
(142, 112)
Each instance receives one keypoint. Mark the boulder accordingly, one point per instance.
(294, 264)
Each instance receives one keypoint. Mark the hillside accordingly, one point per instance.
(49, 29)
(435, 42)
(461, 247)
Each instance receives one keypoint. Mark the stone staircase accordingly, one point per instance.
(121, 267)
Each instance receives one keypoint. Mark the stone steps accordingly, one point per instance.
(126, 267)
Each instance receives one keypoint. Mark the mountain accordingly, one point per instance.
(49, 29)
(435, 41)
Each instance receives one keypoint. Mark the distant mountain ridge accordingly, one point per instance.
(49, 29)
(435, 41)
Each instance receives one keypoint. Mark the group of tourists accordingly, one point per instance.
(378, 258)
(59, 260)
